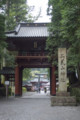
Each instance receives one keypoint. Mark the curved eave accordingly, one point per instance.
(27, 36)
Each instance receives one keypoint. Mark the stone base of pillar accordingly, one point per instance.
(62, 93)
(17, 95)
(53, 94)
(63, 99)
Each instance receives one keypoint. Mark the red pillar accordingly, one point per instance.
(17, 82)
(52, 81)
(20, 77)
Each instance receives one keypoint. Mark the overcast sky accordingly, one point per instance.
(43, 4)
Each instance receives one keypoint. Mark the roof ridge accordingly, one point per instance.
(33, 24)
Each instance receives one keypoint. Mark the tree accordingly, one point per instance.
(65, 30)
(54, 40)
(2, 31)
(16, 12)
(26, 74)
(30, 73)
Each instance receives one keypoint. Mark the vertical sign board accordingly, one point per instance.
(62, 70)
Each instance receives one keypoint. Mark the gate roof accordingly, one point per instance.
(7, 71)
(30, 30)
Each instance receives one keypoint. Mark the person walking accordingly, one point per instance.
(39, 89)
(45, 90)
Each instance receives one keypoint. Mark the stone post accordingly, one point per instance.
(62, 97)
(62, 69)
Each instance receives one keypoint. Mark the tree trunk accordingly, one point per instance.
(79, 72)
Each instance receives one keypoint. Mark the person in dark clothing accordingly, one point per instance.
(39, 89)
(45, 90)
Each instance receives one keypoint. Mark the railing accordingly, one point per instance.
(32, 54)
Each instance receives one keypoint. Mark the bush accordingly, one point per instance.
(76, 92)
(9, 91)
(2, 91)
(24, 89)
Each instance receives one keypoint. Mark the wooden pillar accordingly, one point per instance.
(17, 82)
(52, 81)
(20, 76)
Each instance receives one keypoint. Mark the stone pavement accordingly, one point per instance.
(36, 95)
(26, 108)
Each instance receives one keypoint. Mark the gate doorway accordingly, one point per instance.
(36, 79)
(35, 82)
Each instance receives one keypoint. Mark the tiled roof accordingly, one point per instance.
(30, 30)
(7, 71)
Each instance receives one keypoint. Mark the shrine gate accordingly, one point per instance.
(28, 41)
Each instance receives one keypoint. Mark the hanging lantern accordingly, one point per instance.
(35, 44)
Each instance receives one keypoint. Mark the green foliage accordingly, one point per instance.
(26, 74)
(24, 89)
(10, 59)
(2, 36)
(2, 91)
(30, 73)
(2, 27)
(16, 12)
(35, 71)
(76, 92)
(65, 29)
(2, 2)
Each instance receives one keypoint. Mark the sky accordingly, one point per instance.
(43, 4)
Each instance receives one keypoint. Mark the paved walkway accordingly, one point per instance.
(36, 95)
(35, 109)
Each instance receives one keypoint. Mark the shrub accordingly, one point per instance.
(76, 92)
(2, 91)
(24, 89)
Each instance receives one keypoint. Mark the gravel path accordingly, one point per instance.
(35, 109)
